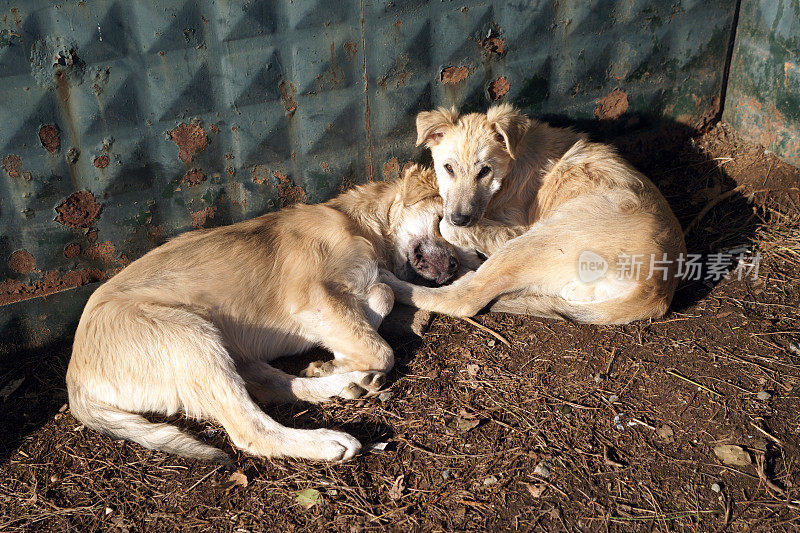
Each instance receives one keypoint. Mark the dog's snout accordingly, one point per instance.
(449, 271)
(418, 255)
(460, 219)
(434, 260)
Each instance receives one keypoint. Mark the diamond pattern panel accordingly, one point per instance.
(193, 113)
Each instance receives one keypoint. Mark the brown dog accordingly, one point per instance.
(191, 325)
(569, 228)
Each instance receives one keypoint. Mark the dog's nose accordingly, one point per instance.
(459, 219)
(452, 265)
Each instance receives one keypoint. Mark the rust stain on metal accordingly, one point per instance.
(287, 190)
(398, 75)
(79, 210)
(12, 164)
(190, 138)
(101, 161)
(214, 129)
(288, 92)
(156, 233)
(612, 106)
(72, 250)
(22, 262)
(493, 45)
(14, 291)
(16, 15)
(454, 75)
(199, 218)
(333, 77)
(351, 49)
(391, 169)
(260, 174)
(102, 250)
(194, 176)
(498, 88)
(49, 137)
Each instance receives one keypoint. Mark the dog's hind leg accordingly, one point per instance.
(149, 357)
(271, 385)
(346, 327)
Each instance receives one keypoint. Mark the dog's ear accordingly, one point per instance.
(431, 125)
(419, 183)
(509, 125)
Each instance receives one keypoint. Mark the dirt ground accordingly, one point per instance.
(569, 427)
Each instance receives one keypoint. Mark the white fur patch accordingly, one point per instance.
(579, 293)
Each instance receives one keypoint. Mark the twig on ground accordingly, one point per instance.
(490, 331)
(760, 470)
(764, 432)
(677, 374)
(609, 461)
(710, 205)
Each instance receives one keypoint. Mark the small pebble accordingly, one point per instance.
(543, 468)
(384, 396)
(715, 487)
(491, 343)
(613, 398)
(55, 478)
(598, 378)
(490, 480)
(794, 347)
(446, 473)
(764, 396)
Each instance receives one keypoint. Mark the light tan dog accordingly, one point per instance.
(191, 325)
(569, 228)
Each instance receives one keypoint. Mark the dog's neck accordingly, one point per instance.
(369, 207)
(539, 149)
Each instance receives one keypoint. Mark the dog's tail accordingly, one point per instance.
(125, 425)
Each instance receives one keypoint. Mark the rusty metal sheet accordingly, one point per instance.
(127, 122)
(763, 99)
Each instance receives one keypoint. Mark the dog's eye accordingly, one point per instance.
(448, 168)
(483, 171)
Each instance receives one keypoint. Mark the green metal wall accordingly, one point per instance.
(763, 100)
(125, 122)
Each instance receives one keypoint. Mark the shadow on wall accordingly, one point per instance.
(663, 150)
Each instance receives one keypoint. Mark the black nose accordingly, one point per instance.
(452, 264)
(459, 219)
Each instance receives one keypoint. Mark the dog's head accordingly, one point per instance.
(471, 155)
(419, 248)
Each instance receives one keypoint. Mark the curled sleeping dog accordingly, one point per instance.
(192, 325)
(561, 219)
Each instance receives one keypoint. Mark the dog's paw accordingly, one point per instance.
(362, 384)
(330, 445)
(319, 369)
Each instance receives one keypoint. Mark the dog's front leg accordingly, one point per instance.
(485, 237)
